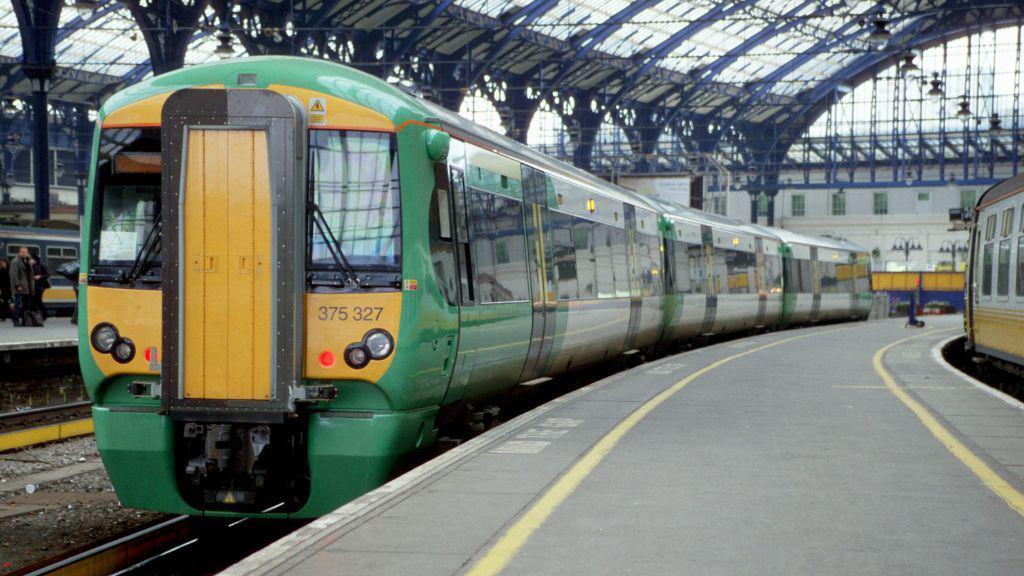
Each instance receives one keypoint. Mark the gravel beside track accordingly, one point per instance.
(62, 514)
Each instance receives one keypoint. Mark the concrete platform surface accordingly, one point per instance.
(846, 449)
(56, 332)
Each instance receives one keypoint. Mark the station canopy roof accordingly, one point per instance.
(753, 58)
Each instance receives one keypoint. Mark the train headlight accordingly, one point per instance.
(357, 356)
(124, 351)
(103, 337)
(379, 344)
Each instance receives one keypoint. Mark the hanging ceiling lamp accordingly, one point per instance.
(9, 109)
(936, 93)
(224, 49)
(909, 67)
(85, 8)
(880, 34)
(995, 124)
(964, 113)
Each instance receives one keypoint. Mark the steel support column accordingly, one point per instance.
(40, 146)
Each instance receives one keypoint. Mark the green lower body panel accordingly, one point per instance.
(138, 453)
(349, 454)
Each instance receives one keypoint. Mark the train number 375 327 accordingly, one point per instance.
(343, 313)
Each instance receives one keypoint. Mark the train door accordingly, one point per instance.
(760, 281)
(635, 296)
(469, 321)
(539, 258)
(233, 247)
(707, 237)
(816, 284)
(971, 283)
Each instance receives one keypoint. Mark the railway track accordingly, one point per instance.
(46, 415)
(176, 545)
(23, 428)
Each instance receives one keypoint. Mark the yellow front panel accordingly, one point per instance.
(226, 285)
(333, 321)
(137, 316)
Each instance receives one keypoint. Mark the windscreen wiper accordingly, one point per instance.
(333, 246)
(148, 250)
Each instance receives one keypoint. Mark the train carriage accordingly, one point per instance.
(994, 315)
(297, 272)
(54, 246)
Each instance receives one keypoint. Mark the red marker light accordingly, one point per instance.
(149, 355)
(327, 359)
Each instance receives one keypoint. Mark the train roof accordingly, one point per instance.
(791, 237)
(1005, 189)
(35, 231)
(502, 143)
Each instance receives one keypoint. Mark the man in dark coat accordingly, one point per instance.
(22, 285)
(41, 275)
(5, 290)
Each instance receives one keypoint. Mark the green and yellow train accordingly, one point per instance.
(294, 272)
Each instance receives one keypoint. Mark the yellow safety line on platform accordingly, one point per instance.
(498, 557)
(986, 474)
(33, 436)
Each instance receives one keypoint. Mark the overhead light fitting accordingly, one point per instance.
(85, 8)
(224, 48)
(995, 124)
(909, 67)
(880, 34)
(9, 109)
(936, 94)
(964, 113)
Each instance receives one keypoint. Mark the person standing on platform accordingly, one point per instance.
(22, 283)
(42, 282)
(5, 290)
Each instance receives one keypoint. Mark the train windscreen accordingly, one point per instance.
(126, 197)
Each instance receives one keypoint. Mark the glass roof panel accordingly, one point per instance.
(111, 44)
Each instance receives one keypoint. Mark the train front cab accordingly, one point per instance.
(269, 391)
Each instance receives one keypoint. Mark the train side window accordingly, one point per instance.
(564, 256)
(1007, 222)
(1020, 266)
(986, 270)
(1003, 280)
(441, 210)
(643, 262)
(737, 278)
(681, 280)
(586, 260)
(773, 273)
(442, 251)
(720, 271)
(806, 276)
(657, 274)
(698, 268)
(57, 255)
(603, 260)
(14, 248)
(508, 237)
(481, 204)
(990, 227)
(620, 262)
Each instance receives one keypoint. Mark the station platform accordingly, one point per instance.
(844, 449)
(56, 332)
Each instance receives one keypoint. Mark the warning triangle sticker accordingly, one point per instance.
(317, 106)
